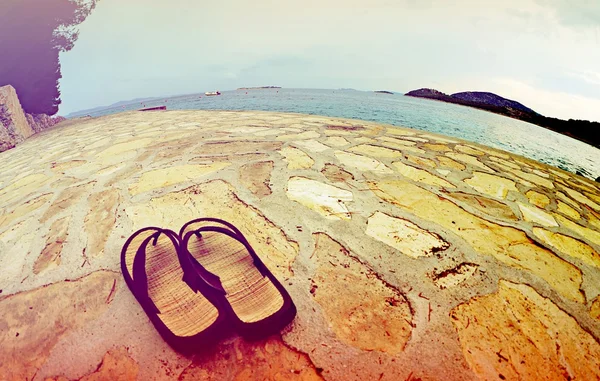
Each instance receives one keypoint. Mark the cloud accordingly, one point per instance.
(549, 103)
(587, 76)
(578, 13)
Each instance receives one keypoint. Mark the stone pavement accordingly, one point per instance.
(409, 255)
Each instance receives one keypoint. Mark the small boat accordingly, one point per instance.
(209, 93)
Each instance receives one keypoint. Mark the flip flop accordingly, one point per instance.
(258, 303)
(183, 301)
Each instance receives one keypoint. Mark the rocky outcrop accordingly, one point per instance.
(14, 127)
(40, 122)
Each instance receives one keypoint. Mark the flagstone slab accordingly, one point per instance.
(34, 321)
(516, 333)
(295, 158)
(256, 177)
(537, 215)
(362, 163)
(365, 312)
(420, 175)
(164, 177)
(491, 185)
(538, 199)
(404, 236)
(325, 199)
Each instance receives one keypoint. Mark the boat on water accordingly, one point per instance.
(210, 93)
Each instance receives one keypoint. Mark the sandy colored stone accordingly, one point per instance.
(421, 161)
(364, 139)
(66, 199)
(302, 135)
(593, 218)
(537, 215)
(437, 147)
(164, 177)
(65, 306)
(55, 239)
(593, 196)
(65, 165)
(455, 276)
(468, 150)
(486, 205)
(256, 177)
(569, 246)
(217, 199)
(336, 174)
(538, 199)
(362, 163)
(538, 180)
(336, 141)
(115, 365)
(449, 163)
(438, 138)
(247, 130)
(404, 236)
(396, 141)
(468, 159)
(589, 234)
(363, 311)
(565, 198)
(581, 198)
(100, 220)
(24, 185)
(420, 175)
(595, 309)
(508, 245)
(230, 158)
(268, 132)
(241, 360)
(238, 147)
(567, 210)
(494, 153)
(295, 158)
(21, 210)
(517, 334)
(415, 139)
(401, 145)
(491, 185)
(540, 173)
(325, 199)
(397, 131)
(311, 145)
(376, 151)
(115, 150)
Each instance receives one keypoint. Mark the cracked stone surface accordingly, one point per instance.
(364, 311)
(404, 236)
(409, 255)
(516, 333)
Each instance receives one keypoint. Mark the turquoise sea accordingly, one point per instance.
(463, 122)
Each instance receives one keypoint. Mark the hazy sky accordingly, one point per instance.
(543, 53)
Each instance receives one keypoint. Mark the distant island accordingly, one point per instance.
(383, 92)
(583, 130)
(259, 87)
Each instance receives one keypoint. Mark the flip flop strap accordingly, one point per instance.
(212, 219)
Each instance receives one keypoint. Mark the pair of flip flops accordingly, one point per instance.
(203, 283)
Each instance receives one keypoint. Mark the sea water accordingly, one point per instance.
(448, 119)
